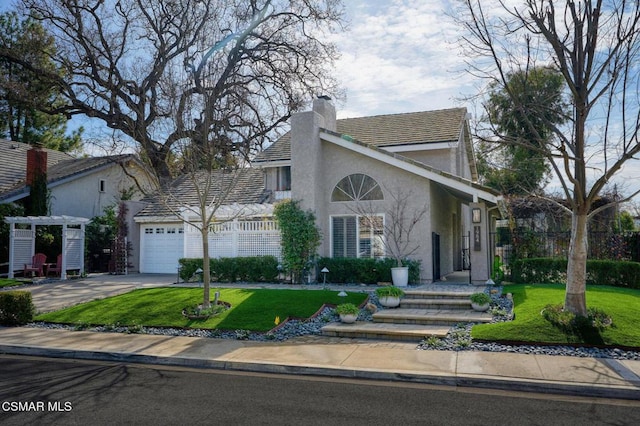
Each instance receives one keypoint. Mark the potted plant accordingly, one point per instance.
(480, 301)
(389, 296)
(348, 312)
(399, 225)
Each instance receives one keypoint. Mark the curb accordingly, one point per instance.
(462, 381)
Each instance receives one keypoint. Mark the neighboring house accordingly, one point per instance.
(333, 166)
(80, 187)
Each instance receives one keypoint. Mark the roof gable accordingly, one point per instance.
(387, 130)
(13, 164)
(61, 167)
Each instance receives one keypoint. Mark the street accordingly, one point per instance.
(54, 391)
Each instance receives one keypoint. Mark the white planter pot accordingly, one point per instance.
(348, 318)
(479, 308)
(400, 276)
(389, 301)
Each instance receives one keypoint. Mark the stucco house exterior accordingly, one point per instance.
(334, 167)
(80, 187)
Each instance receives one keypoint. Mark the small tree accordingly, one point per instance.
(399, 223)
(121, 246)
(299, 235)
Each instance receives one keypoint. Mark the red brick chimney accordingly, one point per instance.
(36, 163)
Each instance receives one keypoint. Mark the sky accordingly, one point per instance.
(399, 56)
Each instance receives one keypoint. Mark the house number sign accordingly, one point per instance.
(476, 238)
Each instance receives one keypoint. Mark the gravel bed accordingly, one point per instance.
(458, 338)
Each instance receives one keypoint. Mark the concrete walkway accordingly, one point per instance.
(313, 355)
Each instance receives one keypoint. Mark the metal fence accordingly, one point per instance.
(528, 244)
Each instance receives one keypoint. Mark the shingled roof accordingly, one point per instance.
(13, 164)
(386, 130)
(246, 186)
(60, 167)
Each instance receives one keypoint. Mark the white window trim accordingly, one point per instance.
(357, 216)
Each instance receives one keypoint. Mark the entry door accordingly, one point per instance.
(435, 250)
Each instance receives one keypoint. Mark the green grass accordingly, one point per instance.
(253, 310)
(6, 282)
(623, 305)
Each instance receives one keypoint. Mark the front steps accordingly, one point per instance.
(384, 331)
(422, 313)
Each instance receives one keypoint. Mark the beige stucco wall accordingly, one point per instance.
(317, 166)
(81, 196)
(441, 159)
(445, 219)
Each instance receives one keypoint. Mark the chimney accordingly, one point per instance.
(323, 106)
(36, 163)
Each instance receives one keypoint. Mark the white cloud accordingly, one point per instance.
(399, 56)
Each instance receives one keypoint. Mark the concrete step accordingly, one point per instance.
(384, 331)
(449, 304)
(430, 316)
(443, 294)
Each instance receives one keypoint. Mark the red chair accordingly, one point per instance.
(56, 268)
(37, 265)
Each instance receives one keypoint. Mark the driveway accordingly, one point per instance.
(61, 294)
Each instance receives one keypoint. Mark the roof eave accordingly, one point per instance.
(475, 191)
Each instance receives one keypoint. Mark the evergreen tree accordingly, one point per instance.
(516, 163)
(23, 92)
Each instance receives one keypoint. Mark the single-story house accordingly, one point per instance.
(334, 167)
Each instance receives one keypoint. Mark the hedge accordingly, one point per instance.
(364, 270)
(16, 307)
(554, 271)
(232, 269)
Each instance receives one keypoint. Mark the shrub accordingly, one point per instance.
(570, 323)
(16, 307)
(389, 291)
(232, 269)
(347, 309)
(599, 272)
(300, 237)
(365, 270)
(480, 298)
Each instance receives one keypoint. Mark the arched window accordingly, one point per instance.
(357, 187)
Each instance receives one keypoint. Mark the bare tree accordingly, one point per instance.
(142, 66)
(398, 224)
(595, 45)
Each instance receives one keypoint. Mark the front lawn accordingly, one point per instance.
(253, 310)
(623, 305)
(6, 282)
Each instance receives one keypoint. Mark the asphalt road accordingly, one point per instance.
(43, 391)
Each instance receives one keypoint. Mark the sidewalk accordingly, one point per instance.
(319, 356)
(312, 355)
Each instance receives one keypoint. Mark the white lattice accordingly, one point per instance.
(73, 252)
(236, 238)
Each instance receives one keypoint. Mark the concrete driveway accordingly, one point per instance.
(57, 295)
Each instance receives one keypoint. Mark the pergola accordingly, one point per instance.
(22, 241)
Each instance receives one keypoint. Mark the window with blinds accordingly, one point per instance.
(357, 236)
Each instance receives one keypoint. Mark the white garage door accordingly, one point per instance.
(160, 248)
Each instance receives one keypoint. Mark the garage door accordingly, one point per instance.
(160, 248)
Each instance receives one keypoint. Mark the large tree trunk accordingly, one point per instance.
(575, 300)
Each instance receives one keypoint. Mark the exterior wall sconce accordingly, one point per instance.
(475, 215)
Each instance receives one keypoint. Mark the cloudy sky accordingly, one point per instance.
(399, 56)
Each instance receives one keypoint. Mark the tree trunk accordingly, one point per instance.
(206, 271)
(575, 300)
